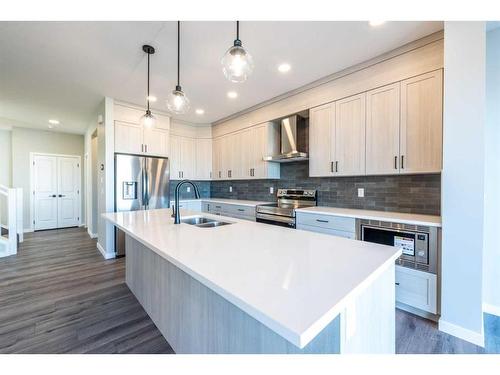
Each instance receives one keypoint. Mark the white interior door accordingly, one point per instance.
(68, 183)
(56, 191)
(45, 192)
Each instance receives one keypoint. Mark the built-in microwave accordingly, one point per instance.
(418, 243)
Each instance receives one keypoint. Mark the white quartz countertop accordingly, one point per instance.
(294, 282)
(397, 217)
(239, 202)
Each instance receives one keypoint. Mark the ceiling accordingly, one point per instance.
(62, 70)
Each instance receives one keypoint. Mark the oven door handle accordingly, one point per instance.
(281, 219)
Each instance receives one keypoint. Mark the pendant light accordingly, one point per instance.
(178, 102)
(237, 63)
(148, 120)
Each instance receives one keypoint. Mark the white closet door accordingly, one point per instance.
(45, 192)
(68, 210)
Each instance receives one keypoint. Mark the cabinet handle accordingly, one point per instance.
(241, 209)
(402, 162)
(331, 166)
(321, 221)
(142, 148)
(219, 174)
(146, 148)
(229, 173)
(217, 206)
(210, 174)
(397, 283)
(396, 162)
(336, 166)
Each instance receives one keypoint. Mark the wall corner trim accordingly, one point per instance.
(103, 252)
(462, 333)
(491, 309)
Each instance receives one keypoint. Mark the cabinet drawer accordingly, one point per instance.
(333, 232)
(345, 224)
(416, 288)
(236, 210)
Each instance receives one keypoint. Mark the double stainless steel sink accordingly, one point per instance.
(203, 222)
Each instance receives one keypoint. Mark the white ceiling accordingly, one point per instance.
(62, 70)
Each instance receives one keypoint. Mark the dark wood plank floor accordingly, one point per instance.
(58, 295)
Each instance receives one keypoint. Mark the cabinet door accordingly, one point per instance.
(234, 144)
(203, 159)
(216, 168)
(416, 288)
(175, 157)
(421, 123)
(188, 158)
(321, 140)
(350, 136)
(382, 130)
(156, 141)
(247, 157)
(259, 150)
(128, 138)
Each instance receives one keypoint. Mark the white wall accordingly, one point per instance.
(105, 182)
(491, 279)
(463, 180)
(5, 170)
(25, 141)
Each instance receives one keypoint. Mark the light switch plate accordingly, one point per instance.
(230, 189)
(271, 190)
(361, 192)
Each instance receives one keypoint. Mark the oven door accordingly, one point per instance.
(415, 246)
(282, 221)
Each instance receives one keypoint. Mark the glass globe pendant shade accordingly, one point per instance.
(178, 102)
(237, 63)
(148, 120)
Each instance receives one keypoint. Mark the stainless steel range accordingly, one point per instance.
(282, 213)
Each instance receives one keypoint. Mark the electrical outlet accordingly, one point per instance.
(189, 189)
(271, 190)
(230, 189)
(361, 192)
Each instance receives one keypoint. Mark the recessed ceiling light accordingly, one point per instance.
(54, 122)
(151, 98)
(200, 111)
(232, 94)
(376, 23)
(284, 68)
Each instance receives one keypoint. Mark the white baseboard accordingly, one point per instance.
(491, 309)
(462, 333)
(103, 252)
(92, 235)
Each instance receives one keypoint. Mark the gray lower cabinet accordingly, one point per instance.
(327, 224)
(228, 209)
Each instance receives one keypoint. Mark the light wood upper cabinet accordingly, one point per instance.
(183, 157)
(350, 136)
(128, 138)
(421, 123)
(382, 130)
(156, 142)
(322, 140)
(203, 159)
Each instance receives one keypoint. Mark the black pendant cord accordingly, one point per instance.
(148, 81)
(238, 30)
(178, 53)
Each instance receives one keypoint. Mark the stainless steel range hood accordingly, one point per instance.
(293, 141)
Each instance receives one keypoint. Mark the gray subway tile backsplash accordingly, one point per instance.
(404, 193)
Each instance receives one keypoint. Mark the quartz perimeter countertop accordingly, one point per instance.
(397, 217)
(294, 282)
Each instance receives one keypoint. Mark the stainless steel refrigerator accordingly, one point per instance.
(141, 183)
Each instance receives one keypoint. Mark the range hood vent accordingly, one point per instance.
(294, 145)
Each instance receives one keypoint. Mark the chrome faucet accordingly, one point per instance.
(176, 214)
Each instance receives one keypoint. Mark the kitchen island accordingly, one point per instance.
(249, 287)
